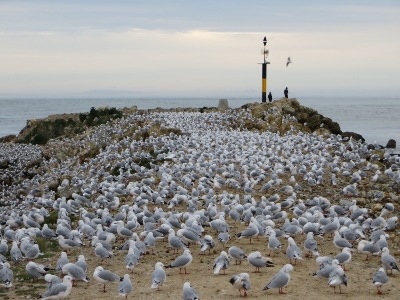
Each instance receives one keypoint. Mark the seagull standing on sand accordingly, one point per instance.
(104, 276)
(76, 272)
(388, 261)
(221, 262)
(101, 252)
(182, 261)
(337, 278)
(189, 293)
(273, 242)
(256, 259)
(59, 291)
(344, 257)
(340, 242)
(293, 251)
(15, 252)
(310, 245)
(6, 275)
(175, 242)
(241, 282)
(158, 277)
(207, 243)
(281, 279)
(35, 270)
(52, 280)
(237, 254)
(63, 260)
(251, 231)
(125, 286)
(380, 278)
(67, 244)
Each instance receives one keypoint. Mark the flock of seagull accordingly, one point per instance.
(189, 190)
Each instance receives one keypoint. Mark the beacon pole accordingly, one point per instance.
(264, 72)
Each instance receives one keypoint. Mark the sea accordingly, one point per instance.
(376, 119)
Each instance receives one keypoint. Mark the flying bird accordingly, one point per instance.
(288, 61)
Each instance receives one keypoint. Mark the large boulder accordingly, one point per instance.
(223, 104)
(391, 144)
(348, 134)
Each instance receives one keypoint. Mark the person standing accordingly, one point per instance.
(286, 92)
(270, 97)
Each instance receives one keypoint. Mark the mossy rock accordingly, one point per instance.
(40, 131)
(332, 126)
(314, 122)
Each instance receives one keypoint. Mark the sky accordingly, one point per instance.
(182, 48)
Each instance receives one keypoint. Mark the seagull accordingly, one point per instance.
(67, 244)
(101, 252)
(237, 254)
(63, 260)
(207, 243)
(273, 242)
(368, 248)
(221, 262)
(288, 61)
(35, 270)
(175, 242)
(189, 293)
(388, 261)
(76, 272)
(104, 276)
(158, 276)
(340, 242)
(60, 290)
(344, 257)
(3, 247)
(256, 259)
(337, 278)
(125, 286)
(150, 241)
(326, 269)
(15, 252)
(310, 245)
(132, 258)
(293, 251)
(380, 278)
(182, 261)
(6, 275)
(52, 280)
(251, 231)
(241, 282)
(280, 279)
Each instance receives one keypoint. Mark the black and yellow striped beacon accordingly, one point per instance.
(264, 71)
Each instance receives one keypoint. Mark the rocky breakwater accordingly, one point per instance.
(286, 114)
(215, 172)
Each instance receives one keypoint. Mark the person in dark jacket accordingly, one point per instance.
(286, 92)
(270, 97)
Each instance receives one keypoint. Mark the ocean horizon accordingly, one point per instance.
(377, 119)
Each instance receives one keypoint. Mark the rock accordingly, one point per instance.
(332, 126)
(391, 143)
(7, 138)
(223, 104)
(4, 163)
(348, 134)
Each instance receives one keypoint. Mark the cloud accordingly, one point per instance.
(78, 45)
